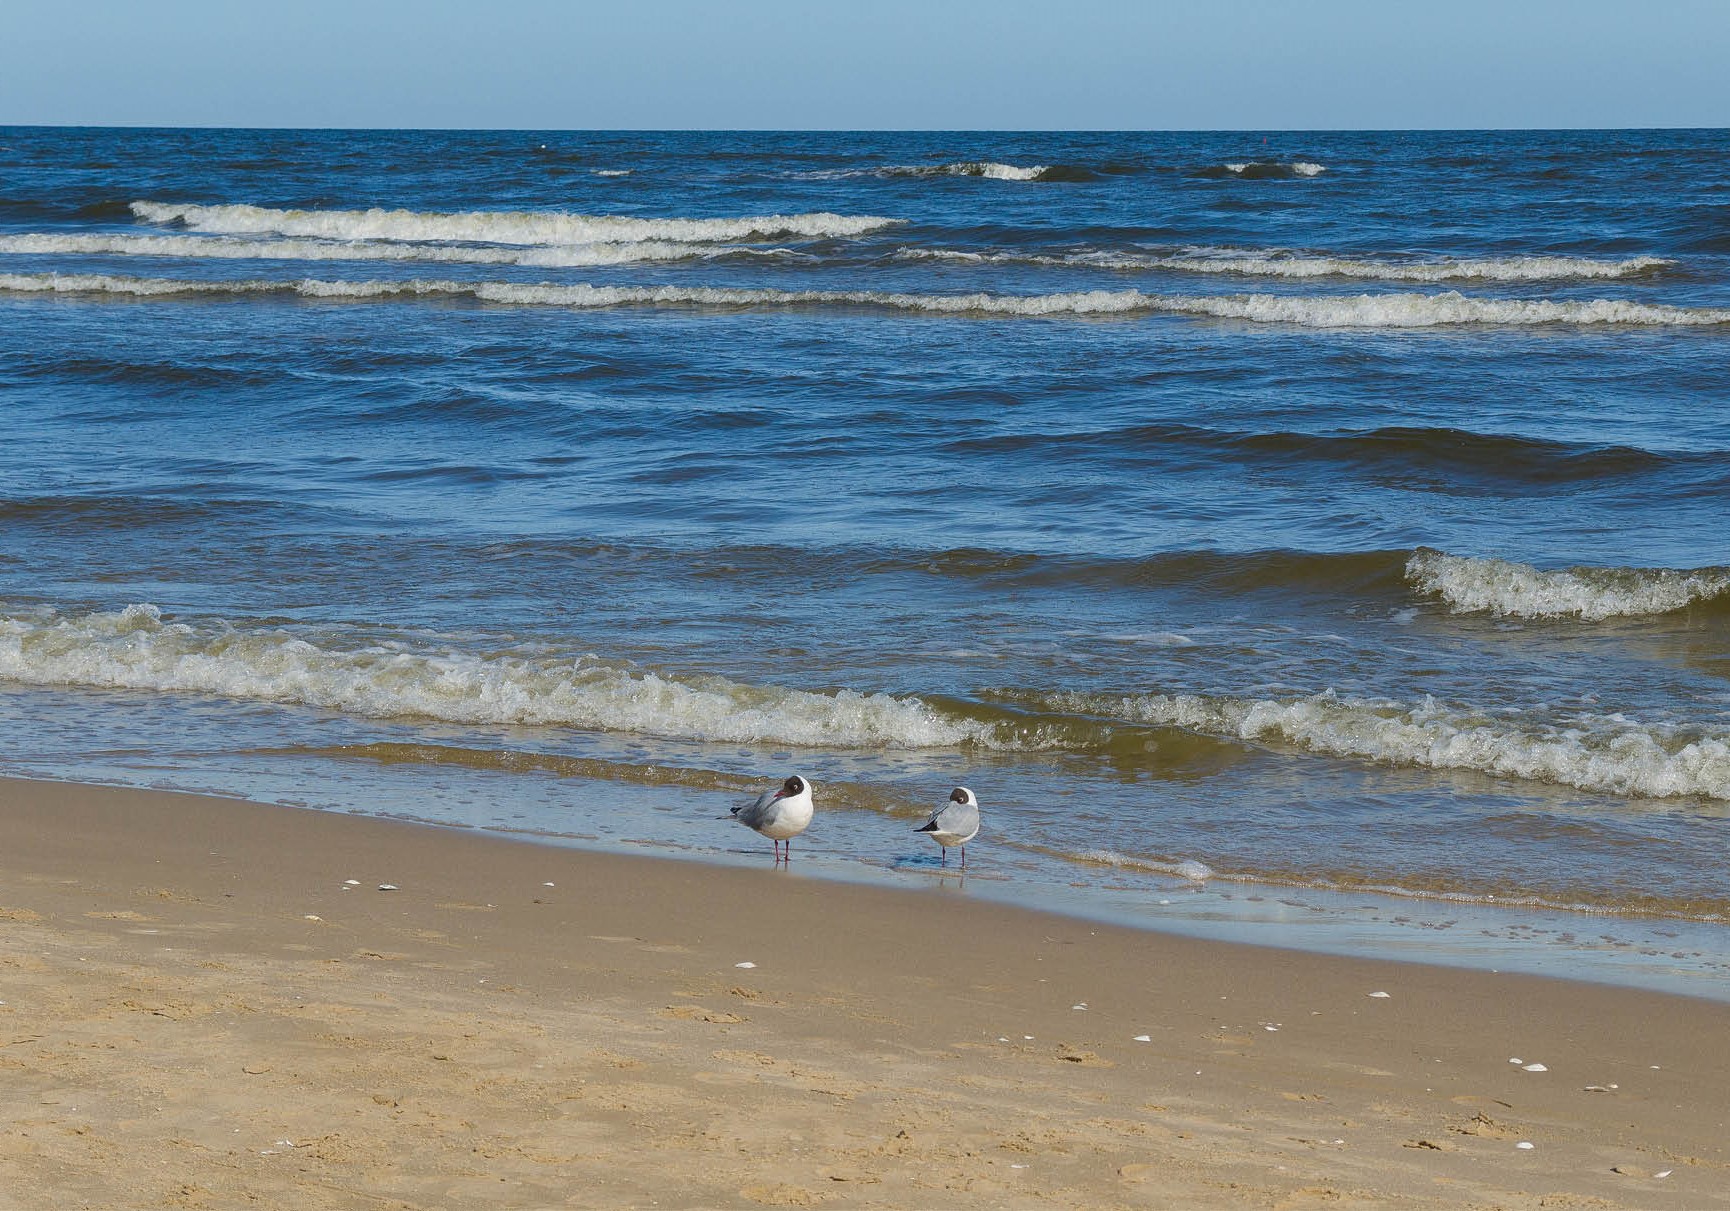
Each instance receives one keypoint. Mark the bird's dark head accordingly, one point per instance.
(793, 786)
(961, 795)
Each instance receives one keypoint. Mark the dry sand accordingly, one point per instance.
(200, 1012)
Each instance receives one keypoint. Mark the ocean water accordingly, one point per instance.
(1323, 538)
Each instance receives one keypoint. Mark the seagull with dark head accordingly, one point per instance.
(955, 823)
(780, 814)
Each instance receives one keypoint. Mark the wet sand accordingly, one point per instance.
(200, 1010)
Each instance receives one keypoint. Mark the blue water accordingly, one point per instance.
(1334, 516)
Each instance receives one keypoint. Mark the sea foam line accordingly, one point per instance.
(498, 227)
(1310, 311)
(136, 649)
(1282, 263)
(544, 256)
(1518, 590)
(1612, 754)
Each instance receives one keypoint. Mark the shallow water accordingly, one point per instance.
(1345, 515)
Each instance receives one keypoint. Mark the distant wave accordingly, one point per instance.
(992, 171)
(545, 256)
(1609, 754)
(1312, 311)
(1518, 590)
(1283, 263)
(1277, 263)
(498, 227)
(1444, 455)
(1263, 170)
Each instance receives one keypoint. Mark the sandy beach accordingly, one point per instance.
(213, 1003)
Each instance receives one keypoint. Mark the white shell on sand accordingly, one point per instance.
(388, 887)
(1536, 1068)
(1383, 995)
(744, 965)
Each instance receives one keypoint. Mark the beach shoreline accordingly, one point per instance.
(202, 1010)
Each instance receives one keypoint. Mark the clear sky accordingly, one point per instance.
(867, 64)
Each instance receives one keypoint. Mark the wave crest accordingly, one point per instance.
(989, 169)
(1312, 311)
(1607, 754)
(1264, 170)
(1285, 263)
(498, 227)
(135, 648)
(1518, 590)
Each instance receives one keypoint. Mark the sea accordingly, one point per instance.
(1320, 539)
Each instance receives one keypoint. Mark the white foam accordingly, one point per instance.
(1609, 753)
(498, 227)
(1518, 590)
(1314, 311)
(291, 249)
(1434, 310)
(1298, 168)
(1284, 263)
(970, 168)
(136, 649)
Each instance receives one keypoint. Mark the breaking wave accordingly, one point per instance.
(979, 168)
(1310, 311)
(1518, 590)
(498, 227)
(1263, 170)
(136, 649)
(139, 649)
(1284, 263)
(547, 256)
(1611, 753)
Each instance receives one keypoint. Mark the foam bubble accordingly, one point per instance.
(1608, 753)
(500, 227)
(1315, 311)
(1518, 590)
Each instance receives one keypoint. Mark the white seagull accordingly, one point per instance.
(780, 814)
(955, 823)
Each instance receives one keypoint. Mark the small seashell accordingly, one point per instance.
(1536, 1068)
(1514, 1059)
(1382, 995)
(1665, 1173)
(1081, 1005)
(1144, 1038)
(546, 885)
(388, 887)
(745, 965)
(351, 882)
(1523, 1145)
(1002, 1039)
(310, 917)
(1027, 1037)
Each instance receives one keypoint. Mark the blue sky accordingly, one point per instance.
(868, 64)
